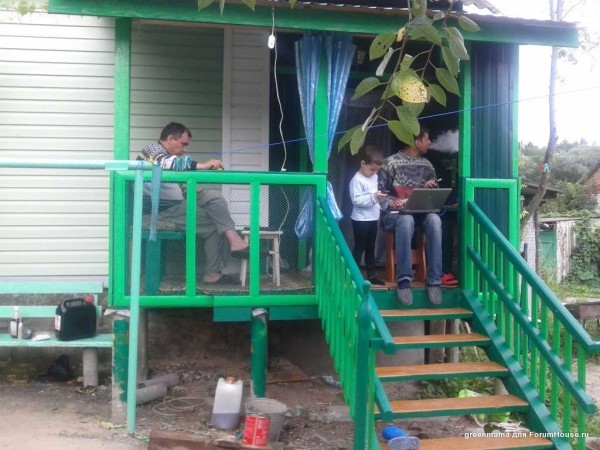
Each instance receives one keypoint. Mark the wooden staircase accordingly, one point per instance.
(493, 404)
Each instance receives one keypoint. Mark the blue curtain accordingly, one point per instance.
(340, 52)
(307, 70)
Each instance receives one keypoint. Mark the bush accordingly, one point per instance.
(585, 259)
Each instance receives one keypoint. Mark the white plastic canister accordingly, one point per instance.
(228, 401)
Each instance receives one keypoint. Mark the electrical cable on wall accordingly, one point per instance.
(272, 44)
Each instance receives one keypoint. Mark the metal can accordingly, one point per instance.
(256, 430)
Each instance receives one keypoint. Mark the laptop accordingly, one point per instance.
(423, 201)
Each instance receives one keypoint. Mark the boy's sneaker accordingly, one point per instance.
(376, 281)
(403, 443)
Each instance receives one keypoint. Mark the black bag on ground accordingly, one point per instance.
(59, 370)
(75, 319)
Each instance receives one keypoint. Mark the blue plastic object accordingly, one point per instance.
(391, 432)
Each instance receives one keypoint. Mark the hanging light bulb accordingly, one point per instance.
(271, 41)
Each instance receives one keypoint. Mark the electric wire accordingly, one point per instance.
(170, 407)
(431, 116)
(283, 142)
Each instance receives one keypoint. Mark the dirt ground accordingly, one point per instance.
(68, 417)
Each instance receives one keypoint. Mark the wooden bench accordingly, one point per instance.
(90, 346)
(153, 261)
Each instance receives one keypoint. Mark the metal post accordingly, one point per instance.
(258, 352)
(134, 308)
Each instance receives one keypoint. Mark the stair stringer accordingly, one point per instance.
(517, 383)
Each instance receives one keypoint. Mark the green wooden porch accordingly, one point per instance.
(531, 342)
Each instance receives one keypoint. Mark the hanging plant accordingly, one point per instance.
(407, 90)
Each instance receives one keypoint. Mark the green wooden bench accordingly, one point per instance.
(90, 346)
(153, 263)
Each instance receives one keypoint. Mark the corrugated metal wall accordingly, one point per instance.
(494, 83)
(56, 101)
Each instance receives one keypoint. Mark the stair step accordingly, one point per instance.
(440, 340)
(435, 407)
(441, 371)
(425, 314)
(482, 443)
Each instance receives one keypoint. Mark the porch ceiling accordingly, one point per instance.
(313, 16)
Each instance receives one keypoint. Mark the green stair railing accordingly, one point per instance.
(353, 326)
(548, 343)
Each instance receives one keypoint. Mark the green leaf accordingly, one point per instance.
(419, 7)
(23, 7)
(416, 108)
(457, 44)
(222, 6)
(468, 25)
(454, 32)
(452, 63)
(250, 4)
(439, 15)
(422, 26)
(408, 120)
(366, 85)
(357, 141)
(293, 3)
(447, 81)
(347, 136)
(438, 94)
(411, 89)
(407, 60)
(380, 45)
(401, 133)
(204, 3)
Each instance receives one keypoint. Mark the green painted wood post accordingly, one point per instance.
(464, 172)
(119, 369)
(258, 352)
(254, 261)
(118, 189)
(190, 239)
(364, 381)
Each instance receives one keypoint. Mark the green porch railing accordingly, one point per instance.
(250, 204)
(548, 343)
(137, 168)
(353, 327)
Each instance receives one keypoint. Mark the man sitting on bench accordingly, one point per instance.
(213, 220)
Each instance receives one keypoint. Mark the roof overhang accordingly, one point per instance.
(326, 17)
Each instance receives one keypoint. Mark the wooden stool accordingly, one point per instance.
(275, 237)
(418, 257)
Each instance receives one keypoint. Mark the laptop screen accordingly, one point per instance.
(426, 200)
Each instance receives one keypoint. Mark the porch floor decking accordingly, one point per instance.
(291, 282)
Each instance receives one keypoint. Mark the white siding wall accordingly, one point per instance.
(56, 93)
(246, 115)
(528, 237)
(56, 102)
(177, 77)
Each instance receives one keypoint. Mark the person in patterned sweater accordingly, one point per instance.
(213, 220)
(399, 175)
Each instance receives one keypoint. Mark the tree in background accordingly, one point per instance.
(558, 13)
